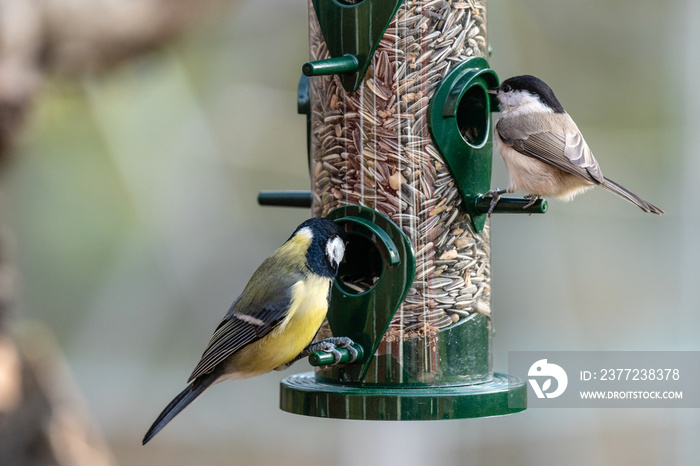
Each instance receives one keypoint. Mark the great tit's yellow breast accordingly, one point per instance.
(308, 308)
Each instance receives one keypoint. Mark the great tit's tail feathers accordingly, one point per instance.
(628, 195)
(179, 403)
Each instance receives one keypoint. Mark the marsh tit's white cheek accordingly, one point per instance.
(520, 102)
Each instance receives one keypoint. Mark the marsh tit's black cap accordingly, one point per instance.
(534, 86)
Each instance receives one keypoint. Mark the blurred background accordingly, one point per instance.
(130, 198)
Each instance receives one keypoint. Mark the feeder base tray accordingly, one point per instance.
(303, 394)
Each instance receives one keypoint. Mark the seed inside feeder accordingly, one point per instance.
(373, 148)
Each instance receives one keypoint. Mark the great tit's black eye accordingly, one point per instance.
(506, 87)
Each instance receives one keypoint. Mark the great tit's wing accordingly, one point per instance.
(262, 306)
(558, 143)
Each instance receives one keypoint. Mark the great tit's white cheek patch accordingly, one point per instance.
(335, 250)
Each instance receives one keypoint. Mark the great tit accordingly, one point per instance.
(274, 320)
(543, 149)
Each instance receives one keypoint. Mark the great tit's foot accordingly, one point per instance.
(346, 343)
(533, 198)
(329, 345)
(496, 195)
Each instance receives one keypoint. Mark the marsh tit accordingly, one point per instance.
(543, 149)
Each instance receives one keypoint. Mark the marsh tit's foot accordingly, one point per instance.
(533, 198)
(496, 195)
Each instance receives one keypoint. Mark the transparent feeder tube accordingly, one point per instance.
(373, 148)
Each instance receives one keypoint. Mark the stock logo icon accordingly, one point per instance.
(546, 372)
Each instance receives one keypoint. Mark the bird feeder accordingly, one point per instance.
(399, 132)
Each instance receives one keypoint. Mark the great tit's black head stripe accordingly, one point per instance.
(327, 245)
(536, 87)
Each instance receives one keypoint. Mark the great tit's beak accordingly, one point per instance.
(492, 91)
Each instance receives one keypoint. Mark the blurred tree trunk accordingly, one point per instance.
(41, 422)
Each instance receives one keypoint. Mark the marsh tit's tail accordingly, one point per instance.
(628, 195)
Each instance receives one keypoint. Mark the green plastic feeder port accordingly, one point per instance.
(375, 276)
(352, 31)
